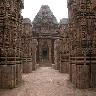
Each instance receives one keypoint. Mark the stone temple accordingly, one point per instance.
(68, 46)
(45, 30)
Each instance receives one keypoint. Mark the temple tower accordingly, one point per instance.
(44, 30)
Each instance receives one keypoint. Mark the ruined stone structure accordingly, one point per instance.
(82, 21)
(56, 64)
(27, 45)
(59, 45)
(68, 46)
(64, 51)
(10, 43)
(35, 64)
(44, 30)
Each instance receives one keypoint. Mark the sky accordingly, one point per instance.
(58, 7)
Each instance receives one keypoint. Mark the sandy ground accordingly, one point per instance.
(46, 82)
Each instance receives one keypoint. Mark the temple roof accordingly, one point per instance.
(27, 20)
(64, 21)
(45, 16)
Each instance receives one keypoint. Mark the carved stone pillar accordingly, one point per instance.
(27, 45)
(10, 29)
(34, 54)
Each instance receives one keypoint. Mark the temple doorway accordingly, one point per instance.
(45, 53)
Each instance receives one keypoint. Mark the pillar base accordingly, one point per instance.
(10, 76)
(27, 67)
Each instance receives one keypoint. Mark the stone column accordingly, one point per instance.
(10, 40)
(27, 45)
(50, 53)
(34, 54)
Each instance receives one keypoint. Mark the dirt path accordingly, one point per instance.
(46, 82)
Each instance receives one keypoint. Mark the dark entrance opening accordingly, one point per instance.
(45, 57)
(45, 52)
